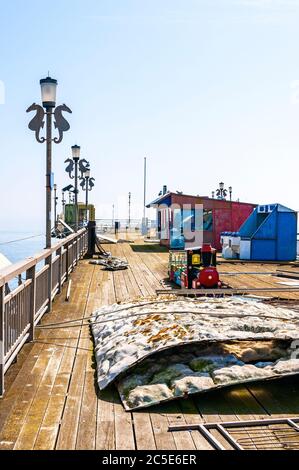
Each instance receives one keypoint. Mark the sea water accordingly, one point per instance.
(17, 246)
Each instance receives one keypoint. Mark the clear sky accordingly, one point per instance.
(208, 90)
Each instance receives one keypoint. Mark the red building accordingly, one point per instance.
(219, 215)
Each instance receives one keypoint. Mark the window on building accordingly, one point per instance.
(208, 220)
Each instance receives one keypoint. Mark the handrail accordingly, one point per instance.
(15, 292)
(41, 271)
(23, 307)
(10, 272)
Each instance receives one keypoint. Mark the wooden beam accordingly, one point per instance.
(227, 291)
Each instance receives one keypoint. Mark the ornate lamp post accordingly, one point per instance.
(213, 194)
(71, 194)
(76, 157)
(70, 189)
(75, 164)
(63, 201)
(230, 190)
(87, 177)
(221, 193)
(48, 93)
(86, 184)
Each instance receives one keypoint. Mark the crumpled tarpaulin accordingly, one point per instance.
(161, 350)
(111, 263)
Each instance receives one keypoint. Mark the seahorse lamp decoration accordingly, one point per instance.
(87, 183)
(91, 183)
(60, 122)
(37, 123)
(70, 167)
(83, 166)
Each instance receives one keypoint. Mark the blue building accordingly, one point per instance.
(269, 234)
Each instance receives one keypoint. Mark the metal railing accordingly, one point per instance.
(23, 307)
(107, 225)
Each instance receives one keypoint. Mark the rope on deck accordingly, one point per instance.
(61, 325)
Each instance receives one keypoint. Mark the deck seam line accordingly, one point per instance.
(258, 401)
(71, 373)
(53, 384)
(90, 336)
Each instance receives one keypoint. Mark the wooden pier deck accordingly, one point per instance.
(52, 401)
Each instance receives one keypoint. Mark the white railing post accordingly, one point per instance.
(71, 259)
(60, 273)
(67, 261)
(77, 249)
(30, 274)
(49, 289)
(2, 307)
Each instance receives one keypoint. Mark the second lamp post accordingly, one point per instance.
(87, 176)
(76, 150)
(75, 164)
(86, 184)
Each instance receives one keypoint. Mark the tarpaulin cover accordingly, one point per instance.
(159, 350)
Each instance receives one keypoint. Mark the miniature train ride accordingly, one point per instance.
(194, 268)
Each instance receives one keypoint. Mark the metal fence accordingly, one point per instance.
(107, 225)
(23, 307)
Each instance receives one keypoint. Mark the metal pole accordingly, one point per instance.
(144, 189)
(112, 215)
(48, 177)
(55, 206)
(86, 197)
(129, 223)
(49, 203)
(63, 203)
(76, 194)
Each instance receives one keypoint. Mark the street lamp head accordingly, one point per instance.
(221, 185)
(230, 189)
(48, 90)
(76, 149)
(87, 174)
(55, 187)
(68, 188)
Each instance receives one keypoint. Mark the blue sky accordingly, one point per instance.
(208, 90)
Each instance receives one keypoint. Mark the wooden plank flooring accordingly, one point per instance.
(52, 400)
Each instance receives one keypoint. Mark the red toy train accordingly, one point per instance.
(195, 269)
